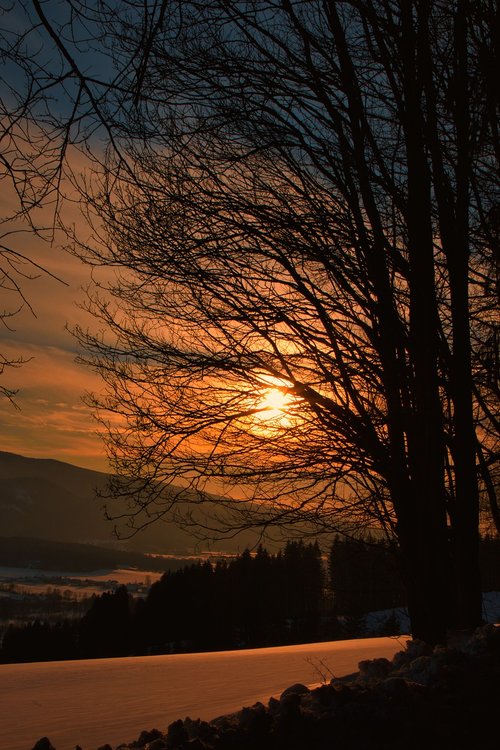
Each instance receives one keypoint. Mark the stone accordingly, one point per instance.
(297, 689)
(374, 669)
(147, 736)
(198, 729)
(43, 744)
(254, 720)
(176, 734)
(158, 744)
(273, 705)
(195, 744)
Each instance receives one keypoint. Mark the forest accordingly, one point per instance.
(249, 601)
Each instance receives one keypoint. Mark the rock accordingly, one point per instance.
(273, 705)
(413, 650)
(290, 706)
(254, 720)
(324, 696)
(198, 729)
(421, 670)
(195, 744)
(146, 737)
(347, 678)
(176, 734)
(44, 744)
(158, 744)
(394, 687)
(374, 669)
(297, 689)
(483, 641)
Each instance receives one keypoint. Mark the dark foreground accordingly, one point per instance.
(423, 698)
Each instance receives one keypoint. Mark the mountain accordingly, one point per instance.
(53, 500)
(63, 558)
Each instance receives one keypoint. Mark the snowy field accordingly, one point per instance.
(120, 575)
(112, 700)
(32, 580)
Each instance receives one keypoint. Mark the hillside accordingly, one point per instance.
(53, 500)
(47, 555)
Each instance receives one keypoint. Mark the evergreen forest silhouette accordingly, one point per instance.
(250, 601)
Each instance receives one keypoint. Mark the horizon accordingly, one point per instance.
(4, 451)
(47, 416)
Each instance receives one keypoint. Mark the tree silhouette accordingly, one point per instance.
(105, 630)
(307, 210)
(301, 196)
(364, 577)
(252, 600)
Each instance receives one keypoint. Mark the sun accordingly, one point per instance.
(275, 400)
(274, 406)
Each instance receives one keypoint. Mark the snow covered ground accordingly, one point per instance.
(374, 621)
(117, 575)
(95, 582)
(112, 700)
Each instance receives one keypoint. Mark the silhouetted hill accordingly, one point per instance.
(42, 507)
(48, 499)
(44, 554)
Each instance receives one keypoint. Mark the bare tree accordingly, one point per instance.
(60, 92)
(297, 198)
(310, 181)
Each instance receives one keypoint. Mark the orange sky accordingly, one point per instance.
(52, 421)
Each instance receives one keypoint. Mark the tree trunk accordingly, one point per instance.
(465, 520)
(424, 536)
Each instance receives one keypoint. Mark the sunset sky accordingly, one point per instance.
(51, 421)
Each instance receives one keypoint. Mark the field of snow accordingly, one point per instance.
(113, 700)
(120, 575)
(32, 580)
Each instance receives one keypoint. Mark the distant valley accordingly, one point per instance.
(48, 555)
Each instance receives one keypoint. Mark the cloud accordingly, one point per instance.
(54, 301)
(51, 421)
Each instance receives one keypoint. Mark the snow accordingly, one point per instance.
(32, 580)
(374, 621)
(112, 700)
(117, 575)
(491, 606)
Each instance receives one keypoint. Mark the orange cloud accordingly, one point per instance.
(51, 420)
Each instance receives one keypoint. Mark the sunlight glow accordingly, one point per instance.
(275, 403)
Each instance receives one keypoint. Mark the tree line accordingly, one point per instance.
(252, 600)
